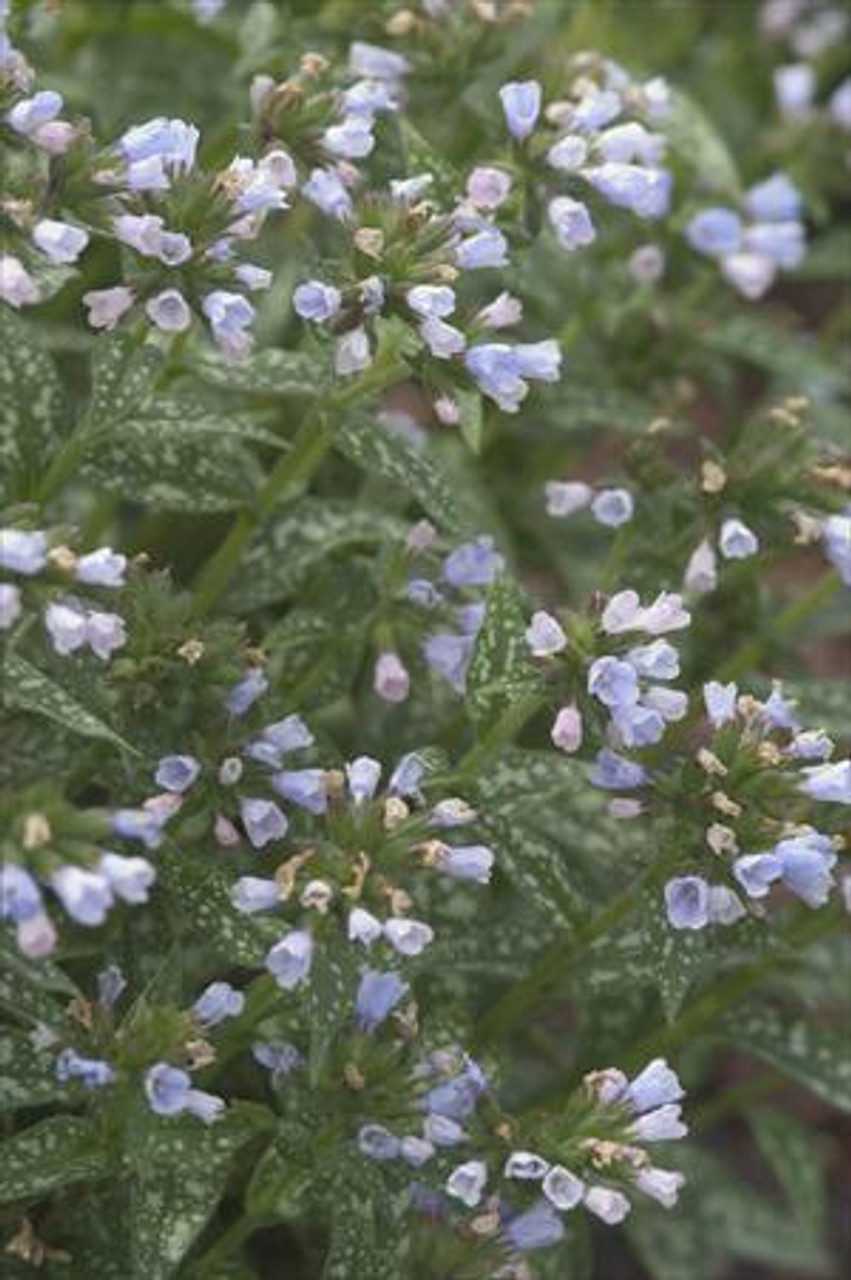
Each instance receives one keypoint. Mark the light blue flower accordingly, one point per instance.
(29, 114)
(216, 1003)
(303, 787)
(316, 301)
(757, 872)
(101, 568)
(20, 896)
(654, 1086)
(736, 541)
(177, 773)
(290, 960)
(571, 221)
(828, 782)
(253, 893)
(612, 772)
(363, 776)
(377, 1143)
(658, 660)
(521, 103)
(639, 726)
(613, 682)
(467, 1182)
(278, 1057)
(836, 536)
(545, 635)
(94, 1073)
(486, 248)
(85, 895)
(777, 199)
(645, 192)
(467, 862)
(807, 862)
(716, 232)
(720, 702)
(687, 902)
(449, 656)
(472, 564)
(130, 879)
(22, 551)
(613, 507)
(537, 1228)
(326, 190)
(263, 821)
(378, 994)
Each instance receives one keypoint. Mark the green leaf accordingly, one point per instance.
(123, 373)
(27, 1075)
(34, 991)
(471, 418)
(181, 1171)
(30, 399)
(500, 673)
(270, 373)
(693, 135)
(817, 1057)
(55, 1153)
(29, 689)
(521, 779)
(388, 456)
(282, 1178)
(367, 1234)
(821, 704)
(201, 893)
(187, 420)
(581, 407)
(797, 1158)
(173, 468)
(793, 357)
(330, 1000)
(537, 868)
(303, 538)
(675, 959)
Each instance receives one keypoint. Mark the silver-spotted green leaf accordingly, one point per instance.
(181, 1170)
(538, 869)
(817, 1057)
(675, 958)
(29, 689)
(471, 418)
(171, 469)
(282, 1179)
(55, 1153)
(35, 992)
(201, 893)
(796, 1155)
(500, 673)
(821, 704)
(270, 373)
(521, 779)
(368, 1237)
(330, 1000)
(793, 358)
(27, 1075)
(123, 375)
(291, 548)
(30, 397)
(693, 135)
(388, 456)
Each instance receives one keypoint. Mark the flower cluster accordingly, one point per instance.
(43, 570)
(810, 31)
(746, 783)
(753, 245)
(591, 1155)
(590, 141)
(611, 507)
(53, 846)
(357, 878)
(621, 682)
(168, 1089)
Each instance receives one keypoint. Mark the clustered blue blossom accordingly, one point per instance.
(44, 570)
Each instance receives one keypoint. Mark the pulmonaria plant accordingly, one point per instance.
(416, 575)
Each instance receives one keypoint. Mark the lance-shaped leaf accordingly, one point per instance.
(270, 373)
(123, 374)
(181, 1169)
(173, 468)
(290, 549)
(817, 1057)
(55, 1153)
(27, 1075)
(388, 456)
(201, 894)
(368, 1237)
(29, 689)
(30, 398)
(501, 674)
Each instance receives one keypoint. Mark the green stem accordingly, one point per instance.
(228, 1242)
(665, 1039)
(787, 622)
(528, 995)
(289, 478)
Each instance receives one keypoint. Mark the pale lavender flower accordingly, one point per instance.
(177, 773)
(537, 1228)
(17, 286)
(391, 680)
(566, 733)
(467, 1183)
(85, 895)
(545, 635)
(11, 606)
(613, 507)
(487, 187)
(290, 960)
(326, 190)
(168, 310)
(608, 1205)
(263, 821)
(736, 541)
(316, 301)
(521, 103)
(378, 994)
(687, 902)
(565, 497)
(216, 1003)
(60, 241)
(571, 221)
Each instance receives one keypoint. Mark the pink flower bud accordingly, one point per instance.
(391, 680)
(567, 730)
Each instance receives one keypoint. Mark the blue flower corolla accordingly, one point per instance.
(94, 1073)
(216, 1003)
(521, 104)
(377, 996)
(537, 1228)
(613, 772)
